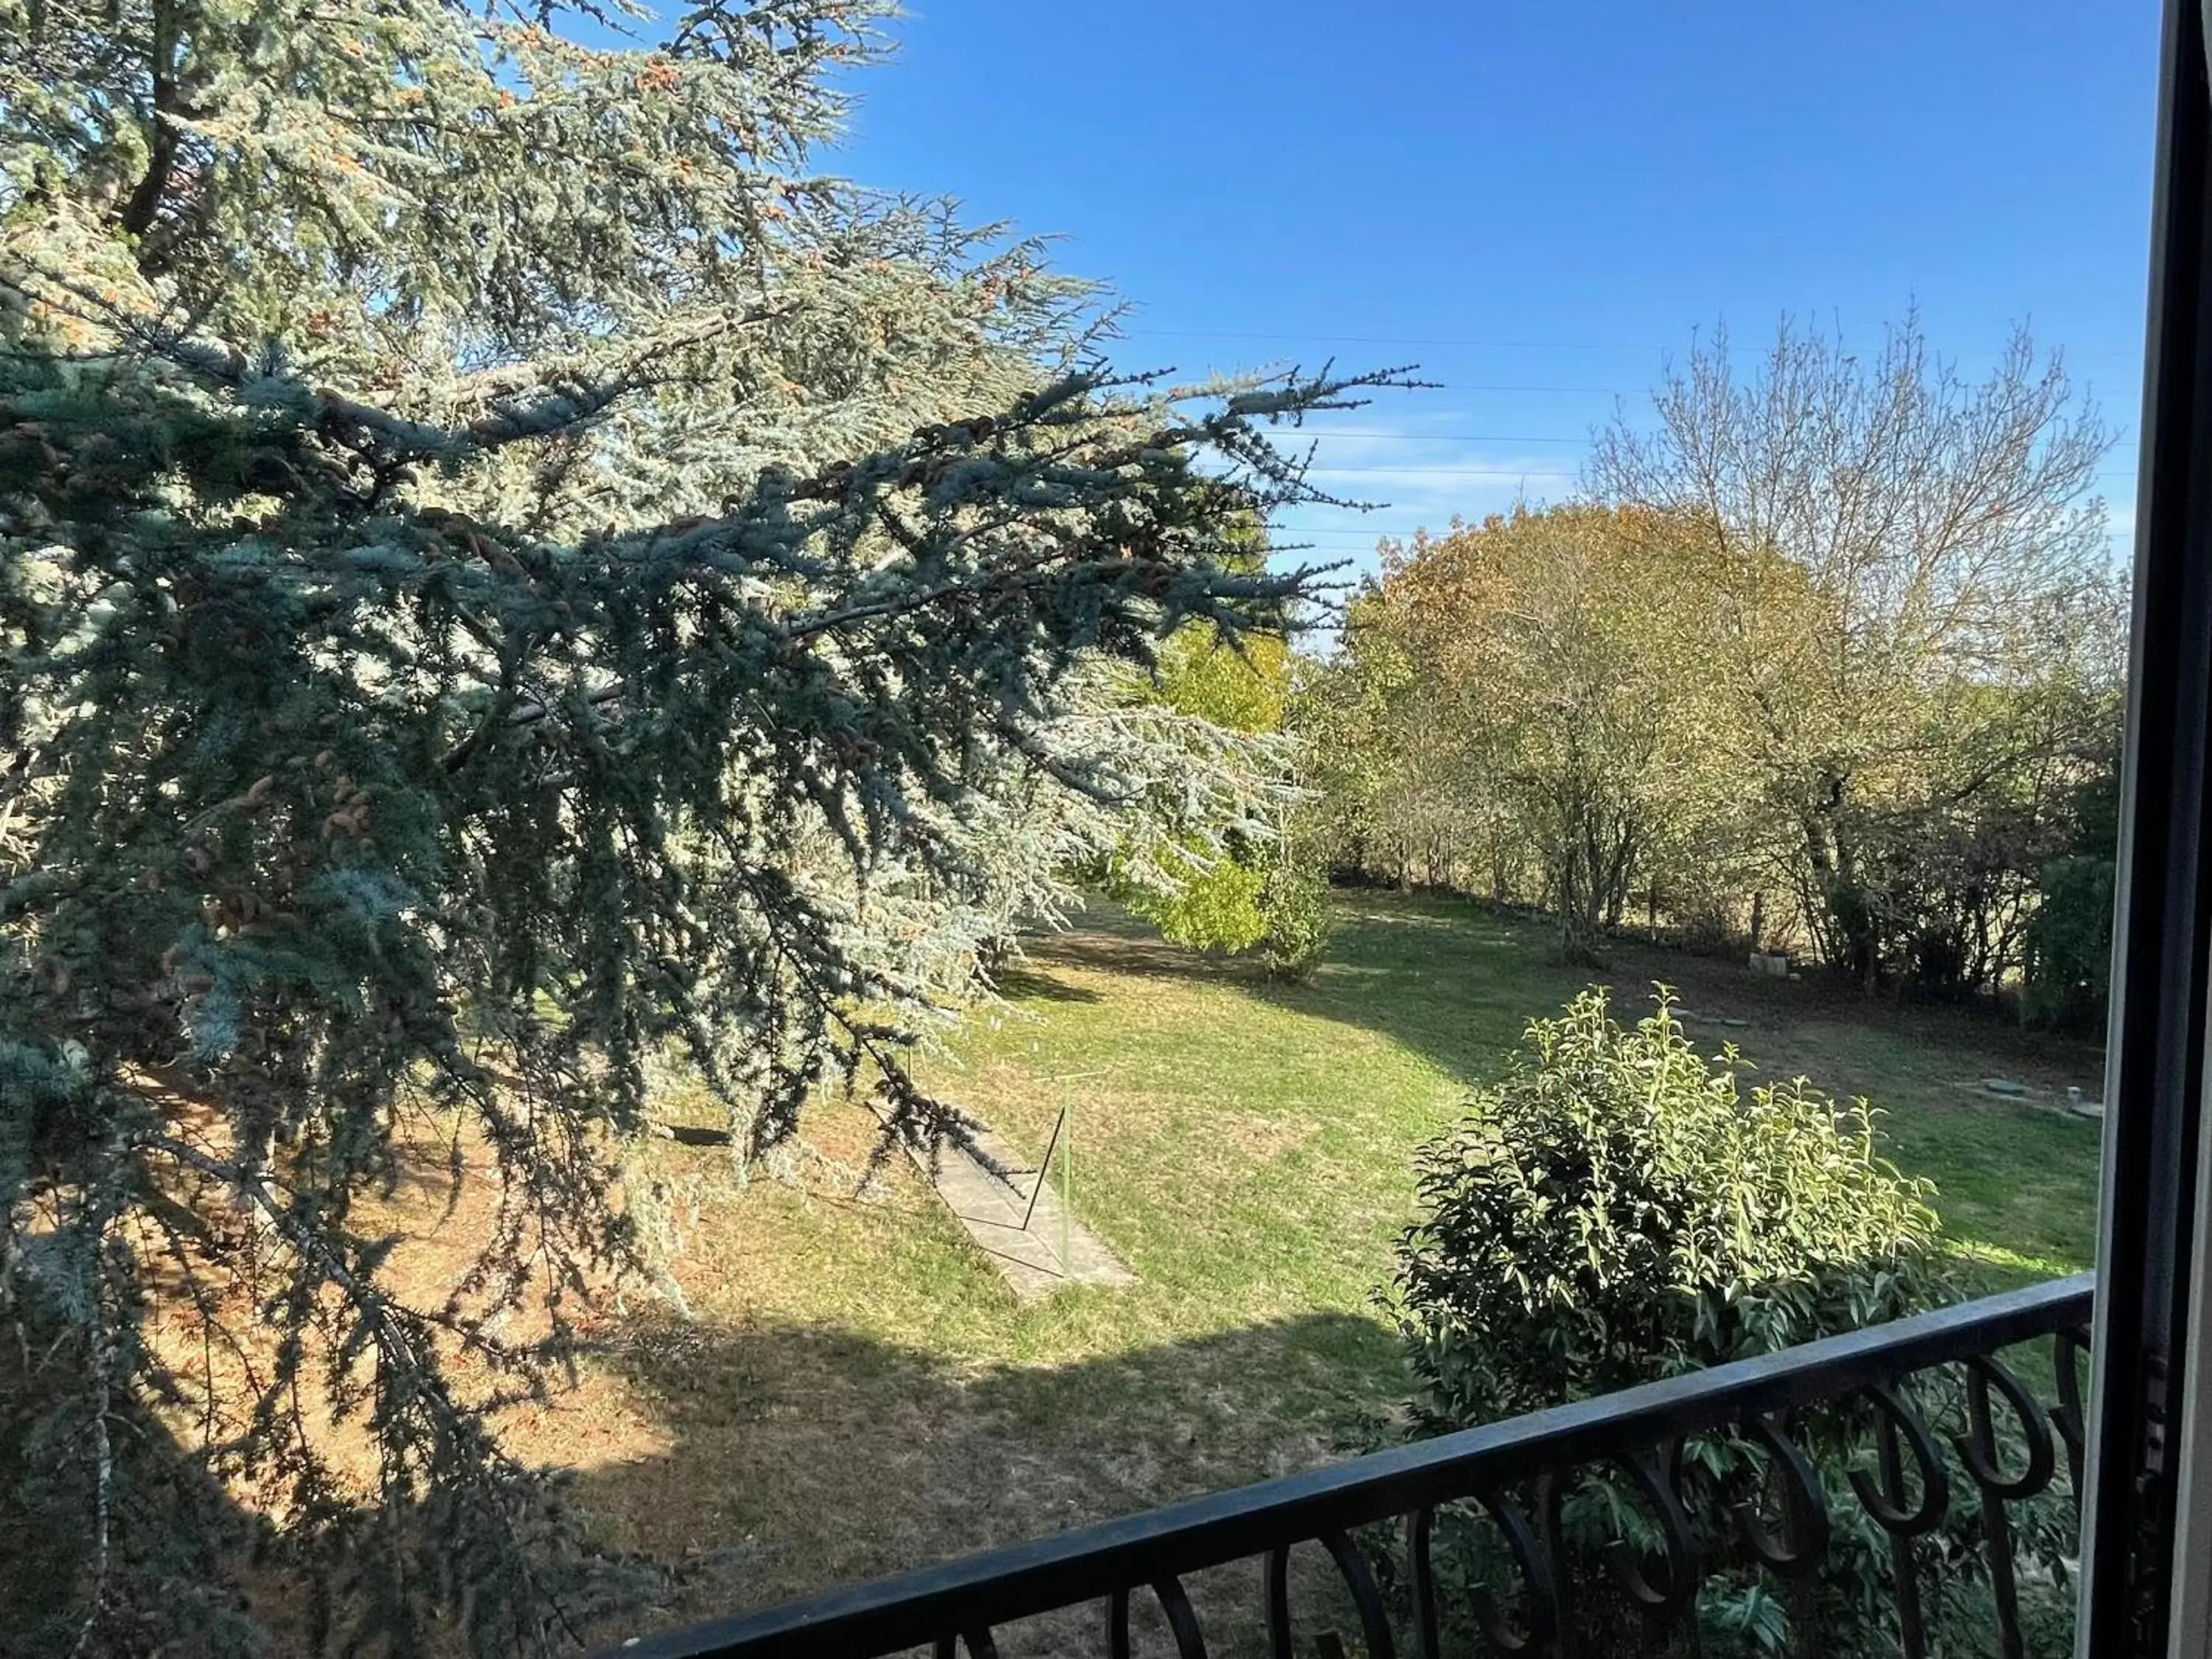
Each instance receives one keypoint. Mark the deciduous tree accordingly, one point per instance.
(1542, 678)
(1874, 527)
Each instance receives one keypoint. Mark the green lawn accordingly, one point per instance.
(859, 1393)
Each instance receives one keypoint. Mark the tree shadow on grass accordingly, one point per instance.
(1457, 981)
(1030, 984)
(1445, 980)
(798, 1459)
(794, 1459)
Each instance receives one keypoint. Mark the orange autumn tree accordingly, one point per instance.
(1538, 710)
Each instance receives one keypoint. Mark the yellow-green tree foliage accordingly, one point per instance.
(1915, 599)
(1527, 705)
(1203, 885)
(1834, 657)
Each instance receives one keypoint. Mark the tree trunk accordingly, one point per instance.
(1844, 923)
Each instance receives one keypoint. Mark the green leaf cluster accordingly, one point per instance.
(1621, 1208)
(1235, 886)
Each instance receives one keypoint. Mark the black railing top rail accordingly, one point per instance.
(1092, 1563)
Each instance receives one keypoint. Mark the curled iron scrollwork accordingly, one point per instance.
(1981, 1452)
(1359, 1581)
(1542, 1618)
(1888, 1502)
(1678, 1544)
(2069, 1348)
(1979, 1449)
(1182, 1619)
(1374, 1622)
(1803, 1538)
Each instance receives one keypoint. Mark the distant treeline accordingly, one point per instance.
(1830, 660)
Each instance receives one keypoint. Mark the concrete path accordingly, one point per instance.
(990, 1207)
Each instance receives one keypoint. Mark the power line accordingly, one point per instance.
(1484, 386)
(1378, 339)
(1443, 471)
(1290, 438)
(1757, 350)
(1638, 391)
(1287, 434)
(1365, 537)
(1385, 470)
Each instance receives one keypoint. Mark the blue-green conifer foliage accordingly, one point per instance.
(510, 576)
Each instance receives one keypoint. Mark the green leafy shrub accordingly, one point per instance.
(1621, 1208)
(1245, 897)
(1205, 882)
(1618, 1209)
(1294, 903)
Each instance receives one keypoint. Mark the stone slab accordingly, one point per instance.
(989, 1204)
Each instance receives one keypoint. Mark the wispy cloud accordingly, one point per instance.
(1418, 473)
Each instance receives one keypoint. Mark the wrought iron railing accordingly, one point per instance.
(2008, 1442)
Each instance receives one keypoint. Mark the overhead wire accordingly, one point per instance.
(1470, 344)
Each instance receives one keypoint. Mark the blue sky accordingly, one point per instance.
(1538, 202)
